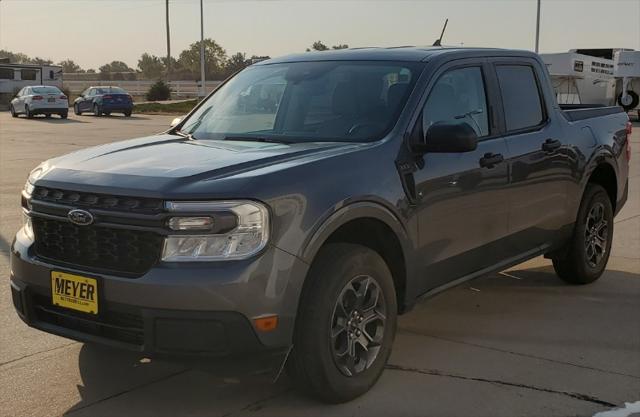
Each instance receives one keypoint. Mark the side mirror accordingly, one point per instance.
(175, 121)
(448, 137)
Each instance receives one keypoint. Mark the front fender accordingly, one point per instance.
(353, 211)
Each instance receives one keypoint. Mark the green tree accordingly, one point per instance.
(151, 66)
(318, 46)
(68, 65)
(215, 58)
(114, 70)
(15, 57)
(236, 62)
(41, 61)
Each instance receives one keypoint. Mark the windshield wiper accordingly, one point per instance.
(184, 134)
(265, 139)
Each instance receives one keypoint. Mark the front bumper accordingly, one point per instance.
(173, 309)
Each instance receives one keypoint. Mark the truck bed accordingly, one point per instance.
(575, 112)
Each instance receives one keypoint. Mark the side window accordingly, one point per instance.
(85, 92)
(29, 74)
(458, 96)
(20, 93)
(6, 73)
(520, 96)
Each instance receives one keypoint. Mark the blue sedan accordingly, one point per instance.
(104, 100)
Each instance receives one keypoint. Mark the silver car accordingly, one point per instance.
(40, 99)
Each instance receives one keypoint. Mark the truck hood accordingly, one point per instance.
(164, 162)
(170, 157)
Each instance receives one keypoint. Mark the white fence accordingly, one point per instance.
(140, 87)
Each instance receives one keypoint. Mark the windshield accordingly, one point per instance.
(46, 90)
(110, 90)
(307, 101)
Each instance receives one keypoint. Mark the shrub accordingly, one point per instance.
(159, 91)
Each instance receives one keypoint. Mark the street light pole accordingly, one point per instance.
(538, 28)
(202, 81)
(168, 42)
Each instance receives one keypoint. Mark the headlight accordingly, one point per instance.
(28, 188)
(248, 236)
(36, 173)
(27, 226)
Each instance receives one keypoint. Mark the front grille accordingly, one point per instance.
(102, 249)
(98, 201)
(116, 325)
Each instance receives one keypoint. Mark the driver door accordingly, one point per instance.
(462, 205)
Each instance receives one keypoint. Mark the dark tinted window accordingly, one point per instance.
(6, 73)
(520, 96)
(459, 97)
(29, 74)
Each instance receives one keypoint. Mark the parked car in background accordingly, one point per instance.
(40, 99)
(311, 199)
(104, 100)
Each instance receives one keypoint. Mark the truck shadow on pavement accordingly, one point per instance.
(487, 311)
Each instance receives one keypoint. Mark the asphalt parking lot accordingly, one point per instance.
(518, 343)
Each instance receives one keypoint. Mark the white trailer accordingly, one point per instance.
(582, 76)
(627, 74)
(13, 77)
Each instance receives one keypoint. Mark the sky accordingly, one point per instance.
(94, 32)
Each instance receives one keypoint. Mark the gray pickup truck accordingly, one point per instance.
(311, 199)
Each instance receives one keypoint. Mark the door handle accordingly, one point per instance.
(489, 160)
(551, 145)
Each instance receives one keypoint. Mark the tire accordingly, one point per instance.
(319, 361)
(76, 109)
(107, 113)
(64, 115)
(48, 115)
(13, 111)
(127, 114)
(635, 100)
(27, 112)
(96, 110)
(588, 250)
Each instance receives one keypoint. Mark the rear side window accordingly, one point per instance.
(520, 96)
(29, 74)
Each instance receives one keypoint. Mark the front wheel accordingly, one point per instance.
(346, 324)
(589, 249)
(127, 113)
(76, 109)
(13, 111)
(64, 115)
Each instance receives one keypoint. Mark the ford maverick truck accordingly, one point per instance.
(311, 199)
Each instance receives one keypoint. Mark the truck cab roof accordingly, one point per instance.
(397, 53)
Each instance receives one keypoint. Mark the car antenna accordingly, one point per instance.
(438, 41)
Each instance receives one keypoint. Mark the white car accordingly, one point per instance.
(40, 99)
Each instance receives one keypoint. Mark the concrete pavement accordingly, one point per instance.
(515, 343)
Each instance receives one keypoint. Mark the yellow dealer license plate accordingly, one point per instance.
(75, 292)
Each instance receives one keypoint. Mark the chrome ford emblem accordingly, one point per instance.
(80, 217)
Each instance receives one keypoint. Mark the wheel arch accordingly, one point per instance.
(372, 225)
(604, 173)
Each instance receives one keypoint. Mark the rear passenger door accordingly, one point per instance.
(461, 199)
(537, 157)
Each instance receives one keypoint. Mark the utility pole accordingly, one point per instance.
(202, 89)
(538, 29)
(168, 43)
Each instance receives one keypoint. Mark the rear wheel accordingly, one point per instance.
(589, 249)
(96, 110)
(630, 102)
(48, 115)
(27, 112)
(107, 113)
(64, 115)
(127, 113)
(346, 324)
(76, 109)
